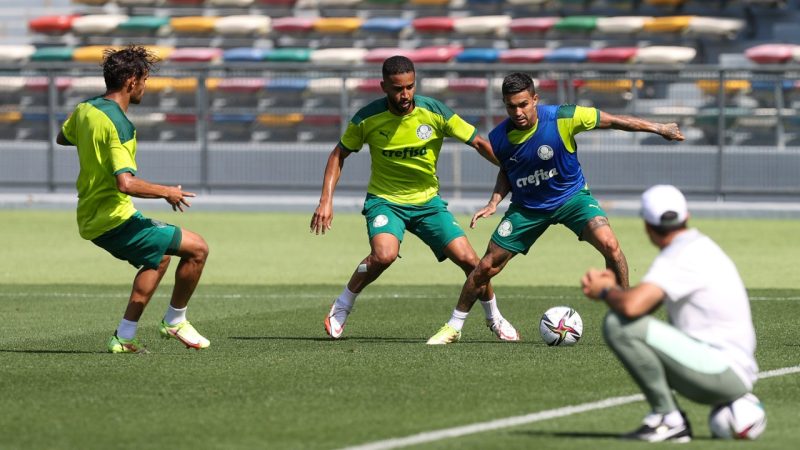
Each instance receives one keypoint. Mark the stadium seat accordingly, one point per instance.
(97, 23)
(12, 85)
(478, 55)
(289, 55)
(144, 24)
(193, 24)
(770, 53)
(184, 2)
(292, 86)
(612, 54)
(87, 85)
(434, 86)
(433, 24)
(238, 3)
(244, 54)
(481, 25)
(711, 87)
(16, 53)
(340, 25)
(429, 2)
(523, 55)
(162, 52)
(378, 55)
(159, 84)
(338, 56)
(148, 124)
(293, 24)
(468, 85)
(323, 4)
(249, 86)
(52, 24)
(664, 54)
(243, 25)
(385, 25)
(669, 24)
(277, 127)
(138, 2)
(231, 127)
(320, 127)
(436, 54)
(196, 54)
(621, 24)
(91, 53)
(673, 3)
(7, 117)
(568, 54)
(280, 120)
(715, 26)
(42, 84)
(91, 2)
(370, 86)
(326, 86)
(532, 24)
(51, 54)
(576, 24)
(527, 2)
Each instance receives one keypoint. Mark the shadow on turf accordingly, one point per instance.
(583, 435)
(354, 338)
(66, 352)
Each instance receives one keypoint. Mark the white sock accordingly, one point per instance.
(175, 316)
(127, 329)
(457, 319)
(346, 299)
(673, 419)
(490, 308)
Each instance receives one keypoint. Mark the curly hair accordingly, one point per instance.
(518, 82)
(396, 65)
(131, 61)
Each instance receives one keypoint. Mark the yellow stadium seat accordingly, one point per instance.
(91, 53)
(184, 85)
(337, 24)
(160, 51)
(668, 24)
(159, 84)
(193, 24)
(280, 120)
(10, 116)
(611, 86)
(711, 87)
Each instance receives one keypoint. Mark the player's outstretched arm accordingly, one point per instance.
(484, 148)
(134, 186)
(501, 189)
(323, 215)
(668, 131)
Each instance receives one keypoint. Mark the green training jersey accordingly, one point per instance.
(106, 142)
(405, 149)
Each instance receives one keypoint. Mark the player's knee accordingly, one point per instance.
(162, 266)
(383, 259)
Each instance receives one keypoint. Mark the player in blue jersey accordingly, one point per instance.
(539, 166)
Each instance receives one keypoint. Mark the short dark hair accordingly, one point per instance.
(121, 64)
(397, 64)
(518, 82)
(669, 219)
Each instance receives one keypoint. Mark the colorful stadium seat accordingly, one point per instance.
(159, 84)
(243, 25)
(16, 53)
(378, 55)
(326, 86)
(711, 87)
(293, 24)
(612, 54)
(280, 120)
(97, 23)
(370, 86)
(338, 56)
(88, 85)
(193, 24)
(668, 24)
(162, 52)
(52, 24)
(433, 24)
(244, 54)
(665, 54)
(481, 24)
(337, 24)
(526, 2)
(10, 116)
(770, 53)
(241, 85)
(429, 2)
(434, 85)
(478, 55)
(91, 53)
(621, 24)
(148, 24)
(146, 119)
(385, 24)
(91, 2)
(287, 85)
(532, 24)
(468, 85)
(611, 86)
(137, 2)
(196, 54)
(289, 55)
(53, 54)
(576, 24)
(568, 54)
(239, 3)
(10, 85)
(523, 55)
(436, 54)
(715, 26)
(43, 83)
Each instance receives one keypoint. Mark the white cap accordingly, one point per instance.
(660, 200)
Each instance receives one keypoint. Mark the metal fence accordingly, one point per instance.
(270, 127)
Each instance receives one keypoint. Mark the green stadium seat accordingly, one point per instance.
(289, 55)
(146, 24)
(53, 54)
(576, 24)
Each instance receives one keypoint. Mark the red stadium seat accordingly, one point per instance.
(369, 86)
(293, 24)
(434, 24)
(196, 54)
(437, 54)
(378, 55)
(770, 53)
(612, 54)
(532, 24)
(52, 24)
(523, 55)
(468, 85)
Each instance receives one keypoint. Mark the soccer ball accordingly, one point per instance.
(561, 325)
(743, 418)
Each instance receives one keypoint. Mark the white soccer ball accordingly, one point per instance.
(743, 418)
(561, 325)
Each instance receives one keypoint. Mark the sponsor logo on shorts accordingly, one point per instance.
(505, 228)
(380, 221)
(424, 131)
(537, 177)
(545, 152)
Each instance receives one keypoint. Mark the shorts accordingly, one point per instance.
(431, 222)
(521, 227)
(141, 241)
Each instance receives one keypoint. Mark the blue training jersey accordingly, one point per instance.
(542, 163)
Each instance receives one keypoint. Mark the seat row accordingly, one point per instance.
(497, 25)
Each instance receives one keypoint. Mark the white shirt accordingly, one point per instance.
(706, 298)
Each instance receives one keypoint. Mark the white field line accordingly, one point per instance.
(480, 427)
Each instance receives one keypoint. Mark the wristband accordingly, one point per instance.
(603, 293)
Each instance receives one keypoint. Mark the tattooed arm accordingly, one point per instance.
(668, 131)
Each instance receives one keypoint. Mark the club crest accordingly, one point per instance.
(505, 228)
(424, 131)
(545, 152)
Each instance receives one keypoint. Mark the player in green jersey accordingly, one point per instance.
(405, 134)
(106, 144)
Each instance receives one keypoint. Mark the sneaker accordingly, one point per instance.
(654, 429)
(119, 345)
(445, 335)
(503, 330)
(185, 333)
(334, 321)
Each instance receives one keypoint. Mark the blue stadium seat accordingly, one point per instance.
(478, 55)
(244, 54)
(568, 54)
(385, 24)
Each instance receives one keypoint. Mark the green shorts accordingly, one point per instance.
(141, 241)
(521, 227)
(431, 222)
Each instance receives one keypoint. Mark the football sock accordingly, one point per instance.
(457, 319)
(673, 419)
(175, 316)
(490, 308)
(127, 329)
(346, 299)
